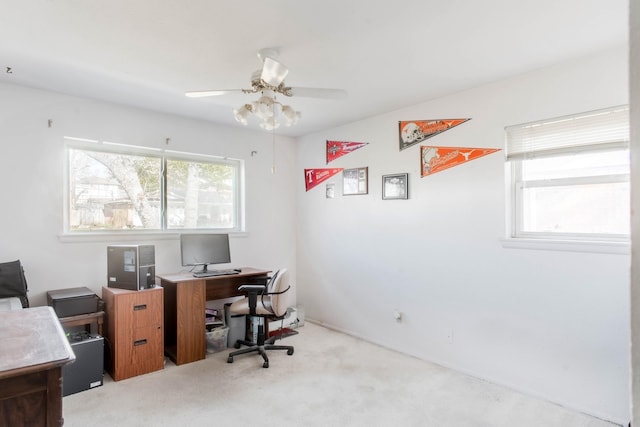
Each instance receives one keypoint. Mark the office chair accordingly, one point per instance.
(267, 302)
(13, 282)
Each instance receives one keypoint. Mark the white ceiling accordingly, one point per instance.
(385, 54)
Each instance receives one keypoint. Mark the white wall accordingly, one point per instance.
(634, 88)
(550, 323)
(31, 186)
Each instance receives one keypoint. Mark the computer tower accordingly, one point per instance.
(131, 267)
(87, 370)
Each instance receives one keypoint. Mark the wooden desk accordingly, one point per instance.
(185, 299)
(34, 349)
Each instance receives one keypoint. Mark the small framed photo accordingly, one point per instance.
(355, 181)
(395, 186)
(331, 191)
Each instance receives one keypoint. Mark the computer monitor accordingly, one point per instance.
(204, 249)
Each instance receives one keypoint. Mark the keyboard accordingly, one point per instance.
(212, 273)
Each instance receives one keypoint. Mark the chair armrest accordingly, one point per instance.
(253, 292)
(279, 293)
(250, 288)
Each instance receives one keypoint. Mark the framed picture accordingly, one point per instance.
(331, 191)
(395, 186)
(355, 181)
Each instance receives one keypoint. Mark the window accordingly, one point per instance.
(569, 177)
(112, 187)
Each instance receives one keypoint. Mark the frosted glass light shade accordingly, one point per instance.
(241, 114)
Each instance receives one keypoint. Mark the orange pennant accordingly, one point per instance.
(313, 177)
(436, 159)
(412, 132)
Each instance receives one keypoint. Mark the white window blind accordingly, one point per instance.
(605, 128)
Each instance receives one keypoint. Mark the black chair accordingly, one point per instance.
(266, 302)
(13, 284)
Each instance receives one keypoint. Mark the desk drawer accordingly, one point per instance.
(140, 353)
(145, 343)
(140, 309)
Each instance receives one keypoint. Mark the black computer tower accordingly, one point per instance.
(131, 267)
(87, 370)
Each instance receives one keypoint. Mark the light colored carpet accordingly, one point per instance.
(332, 379)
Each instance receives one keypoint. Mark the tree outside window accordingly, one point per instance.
(114, 191)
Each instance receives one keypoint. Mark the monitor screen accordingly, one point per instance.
(203, 249)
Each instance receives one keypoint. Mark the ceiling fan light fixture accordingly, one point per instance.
(264, 107)
(290, 115)
(273, 72)
(270, 124)
(241, 114)
(270, 112)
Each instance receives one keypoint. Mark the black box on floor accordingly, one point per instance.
(87, 370)
(237, 326)
(73, 301)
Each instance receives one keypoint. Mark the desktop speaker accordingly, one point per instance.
(131, 267)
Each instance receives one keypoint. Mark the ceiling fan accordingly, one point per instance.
(269, 81)
(271, 78)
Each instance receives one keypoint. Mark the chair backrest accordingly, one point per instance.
(280, 295)
(12, 282)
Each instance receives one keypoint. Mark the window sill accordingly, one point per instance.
(127, 236)
(620, 248)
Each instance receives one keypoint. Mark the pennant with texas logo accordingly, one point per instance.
(412, 132)
(337, 149)
(436, 159)
(313, 177)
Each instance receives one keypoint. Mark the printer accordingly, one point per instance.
(73, 301)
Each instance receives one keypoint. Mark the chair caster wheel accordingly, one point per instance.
(237, 345)
(290, 351)
(265, 365)
(230, 360)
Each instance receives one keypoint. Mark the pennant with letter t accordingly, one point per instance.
(313, 177)
(337, 149)
(436, 159)
(415, 131)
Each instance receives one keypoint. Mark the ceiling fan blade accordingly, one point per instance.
(310, 92)
(273, 72)
(204, 93)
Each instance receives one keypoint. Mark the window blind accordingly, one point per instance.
(606, 128)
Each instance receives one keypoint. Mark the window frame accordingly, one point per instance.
(163, 155)
(515, 184)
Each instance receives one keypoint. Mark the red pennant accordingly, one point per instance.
(337, 149)
(436, 159)
(313, 177)
(415, 131)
